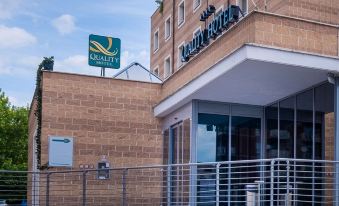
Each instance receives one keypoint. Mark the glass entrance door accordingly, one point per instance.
(246, 145)
(179, 154)
(226, 138)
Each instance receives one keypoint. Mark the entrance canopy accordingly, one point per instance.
(253, 75)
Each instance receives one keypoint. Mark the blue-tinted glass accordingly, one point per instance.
(212, 138)
(286, 133)
(272, 131)
(304, 136)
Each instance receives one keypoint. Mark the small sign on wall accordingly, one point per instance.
(60, 151)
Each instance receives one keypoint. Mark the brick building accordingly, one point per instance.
(242, 80)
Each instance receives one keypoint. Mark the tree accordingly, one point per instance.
(13, 135)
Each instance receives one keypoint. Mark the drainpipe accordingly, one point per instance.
(173, 36)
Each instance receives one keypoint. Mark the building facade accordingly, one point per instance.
(242, 80)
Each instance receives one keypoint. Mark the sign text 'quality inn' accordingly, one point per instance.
(215, 28)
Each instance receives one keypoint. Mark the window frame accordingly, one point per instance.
(158, 40)
(180, 24)
(195, 8)
(221, 8)
(179, 62)
(170, 28)
(170, 67)
(238, 3)
(156, 69)
(195, 31)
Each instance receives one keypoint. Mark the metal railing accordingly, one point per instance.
(254, 183)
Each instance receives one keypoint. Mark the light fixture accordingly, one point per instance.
(331, 78)
(158, 1)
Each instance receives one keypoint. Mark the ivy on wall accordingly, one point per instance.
(160, 5)
(46, 64)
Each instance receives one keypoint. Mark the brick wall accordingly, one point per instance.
(259, 28)
(105, 116)
(322, 11)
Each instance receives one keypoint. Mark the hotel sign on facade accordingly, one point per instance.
(215, 28)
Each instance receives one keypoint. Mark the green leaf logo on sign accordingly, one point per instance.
(104, 51)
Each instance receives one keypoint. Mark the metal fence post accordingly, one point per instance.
(124, 192)
(84, 187)
(272, 182)
(47, 189)
(217, 184)
(287, 199)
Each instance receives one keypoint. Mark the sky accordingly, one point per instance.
(33, 29)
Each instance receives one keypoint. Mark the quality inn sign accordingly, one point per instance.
(104, 51)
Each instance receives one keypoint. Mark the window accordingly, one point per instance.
(156, 41)
(168, 28)
(196, 4)
(196, 32)
(180, 48)
(167, 67)
(218, 12)
(156, 71)
(243, 6)
(181, 13)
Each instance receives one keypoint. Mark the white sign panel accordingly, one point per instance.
(60, 151)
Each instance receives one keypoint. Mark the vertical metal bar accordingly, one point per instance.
(287, 199)
(313, 144)
(272, 183)
(47, 189)
(263, 154)
(193, 152)
(84, 187)
(217, 184)
(229, 155)
(169, 185)
(336, 140)
(295, 147)
(124, 192)
(278, 129)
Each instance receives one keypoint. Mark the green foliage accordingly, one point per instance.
(47, 62)
(161, 6)
(13, 135)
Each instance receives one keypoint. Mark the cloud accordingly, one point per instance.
(79, 63)
(64, 24)
(8, 7)
(15, 37)
(128, 57)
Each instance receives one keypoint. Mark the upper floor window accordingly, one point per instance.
(179, 61)
(168, 28)
(167, 67)
(156, 71)
(218, 12)
(243, 4)
(181, 13)
(196, 4)
(156, 41)
(196, 32)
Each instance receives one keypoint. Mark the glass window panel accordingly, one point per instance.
(246, 141)
(304, 136)
(324, 122)
(212, 138)
(271, 113)
(286, 132)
